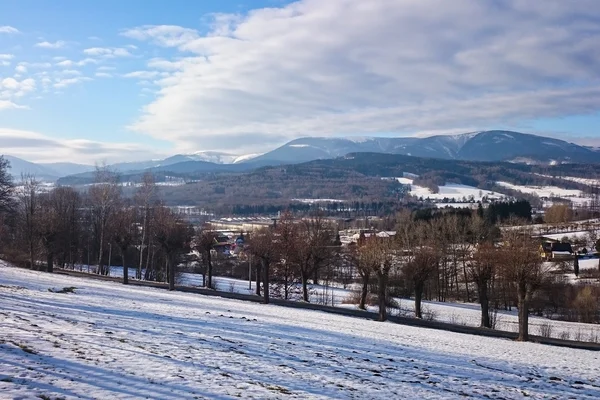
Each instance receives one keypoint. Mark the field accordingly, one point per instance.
(450, 191)
(66, 337)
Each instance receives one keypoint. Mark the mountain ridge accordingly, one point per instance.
(493, 145)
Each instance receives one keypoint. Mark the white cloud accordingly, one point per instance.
(103, 75)
(40, 65)
(352, 67)
(21, 69)
(5, 59)
(7, 105)
(108, 52)
(70, 72)
(80, 63)
(37, 147)
(61, 83)
(8, 29)
(51, 45)
(106, 68)
(166, 65)
(142, 74)
(163, 35)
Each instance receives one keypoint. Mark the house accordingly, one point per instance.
(556, 251)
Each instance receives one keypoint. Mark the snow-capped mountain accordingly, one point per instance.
(475, 146)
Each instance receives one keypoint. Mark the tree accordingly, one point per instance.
(123, 234)
(48, 228)
(597, 247)
(104, 197)
(6, 186)
(482, 270)
(145, 197)
(263, 246)
(558, 213)
(205, 242)
(174, 237)
(363, 261)
(521, 264)
(28, 209)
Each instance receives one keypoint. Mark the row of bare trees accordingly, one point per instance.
(67, 228)
(440, 257)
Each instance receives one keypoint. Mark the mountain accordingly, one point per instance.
(67, 168)
(44, 172)
(474, 146)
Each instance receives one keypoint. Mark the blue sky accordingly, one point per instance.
(127, 80)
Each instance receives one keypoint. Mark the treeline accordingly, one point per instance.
(338, 208)
(95, 229)
(446, 257)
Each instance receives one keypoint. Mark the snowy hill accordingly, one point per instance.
(106, 340)
(473, 146)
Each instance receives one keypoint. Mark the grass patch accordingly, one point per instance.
(25, 348)
(70, 289)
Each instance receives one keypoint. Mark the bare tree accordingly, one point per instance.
(28, 209)
(263, 245)
(205, 242)
(424, 258)
(174, 236)
(145, 198)
(103, 196)
(363, 261)
(6, 186)
(48, 226)
(123, 233)
(482, 270)
(521, 264)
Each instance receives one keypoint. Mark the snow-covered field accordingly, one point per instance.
(450, 191)
(575, 195)
(468, 314)
(108, 341)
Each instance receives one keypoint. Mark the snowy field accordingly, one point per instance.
(468, 314)
(450, 191)
(575, 195)
(108, 341)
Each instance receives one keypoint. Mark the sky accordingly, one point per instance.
(113, 80)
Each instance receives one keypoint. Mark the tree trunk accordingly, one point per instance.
(100, 270)
(266, 281)
(523, 313)
(304, 286)
(466, 277)
(171, 266)
(364, 292)
(209, 270)
(50, 262)
(382, 295)
(418, 298)
(484, 301)
(125, 268)
(258, 278)
(138, 273)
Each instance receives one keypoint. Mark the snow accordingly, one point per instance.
(246, 157)
(299, 145)
(312, 201)
(543, 191)
(450, 191)
(107, 340)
